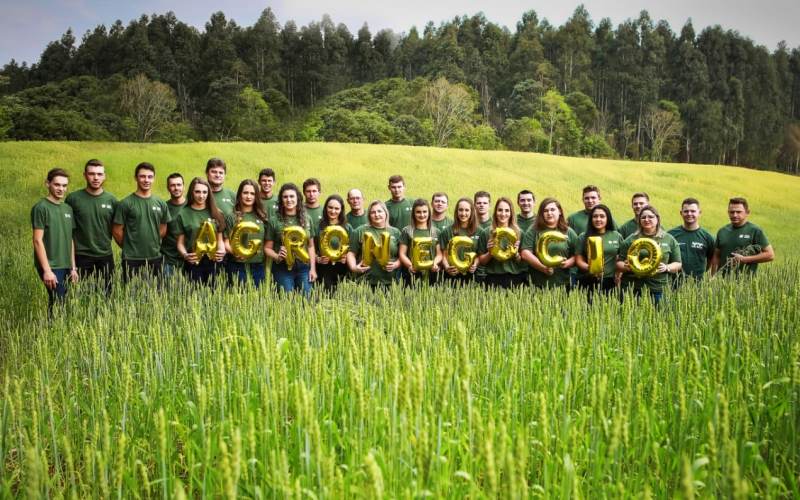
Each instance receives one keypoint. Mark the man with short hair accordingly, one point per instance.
(216, 169)
(357, 216)
(398, 205)
(312, 191)
(741, 245)
(176, 202)
(53, 249)
(266, 180)
(439, 218)
(696, 244)
(92, 211)
(483, 202)
(139, 224)
(638, 201)
(525, 202)
(579, 221)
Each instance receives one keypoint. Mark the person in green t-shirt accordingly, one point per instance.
(140, 222)
(92, 210)
(526, 202)
(482, 201)
(650, 227)
(466, 224)
(53, 248)
(291, 213)
(421, 227)
(357, 216)
(169, 245)
(399, 207)
(312, 190)
(224, 198)
(248, 209)
(696, 244)
(501, 274)
(601, 225)
(579, 221)
(331, 273)
(376, 274)
(550, 217)
(200, 208)
(740, 245)
(439, 204)
(638, 200)
(266, 181)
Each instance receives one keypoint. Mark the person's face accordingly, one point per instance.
(377, 216)
(439, 205)
(599, 219)
(248, 196)
(463, 212)
(58, 187)
(175, 187)
(482, 206)
(200, 193)
(355, 199)
(312, 195)
(397, 189)
(648, 221)
(144, 179)
(216, 176)
(690, 213)
(525, 202)
(266, 182)
(421, 214)
(737, 214)
(550, 214)
(95, 177)
(289, 199)
(333, 209)
(637, 204)
(503, 213)
(590, 199)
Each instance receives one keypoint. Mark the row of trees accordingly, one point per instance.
(638, 90)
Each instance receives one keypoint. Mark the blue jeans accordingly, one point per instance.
(58, 293)
(242, 270)
(296, 279)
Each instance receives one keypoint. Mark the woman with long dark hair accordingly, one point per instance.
(331, 273)
(550, 217)
(501, 274)
(420, 227)
(465, 223)
(200, 208)
(248, 209)
(290, 213)
(600, 225)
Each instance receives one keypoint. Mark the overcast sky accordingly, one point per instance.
(26, 26)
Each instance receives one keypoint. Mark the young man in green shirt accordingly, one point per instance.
(638, 201)
(53, 249)
(439, 205)
(696, 244)
(169, 249)
(741, 245)
(266, 181)
(312, 191)
(216, 169)
(140, 222)
(526, 202)
(357, 216)
(483, 203)
(92, 210)
(579, 221)
(399, 206)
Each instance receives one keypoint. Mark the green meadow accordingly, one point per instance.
(430, 392)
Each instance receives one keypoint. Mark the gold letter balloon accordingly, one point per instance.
(457, 246)
(241, 250)
(594, 250)
(372, 249)
(295, 239)
(206, 242)
(644, 266)
(330, 235)
(421, 257)
(543, 251)
(504, 244)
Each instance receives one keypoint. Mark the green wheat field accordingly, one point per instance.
(405, 393)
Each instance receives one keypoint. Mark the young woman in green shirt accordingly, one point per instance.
(248, 209)
(550, 217)
(200, 208)
(377, 274)
(465, 223)
(601, 225)
(331, 273)
(501, 274)
(420, 227)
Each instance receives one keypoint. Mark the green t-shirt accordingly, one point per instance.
(277, 225)
(225, 200)
(485, 224)
(58, 224)
(169, 248)
(525, 223)
(270, 206)
(230, 223)
(314, 216)
(141, 218)
(190, 220)
(441, 224)
(357, 221)
(579, 221)
(92, 216)
(670, 252)
(447, 234)
(409, 233)
(566, 249)
(347, 227)
(697, 248)
(376, 274)
(511, 266)
(628, 228)
(747, 238)
(399, 212)
(612, 240)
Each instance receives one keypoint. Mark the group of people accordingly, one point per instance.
(72, 235)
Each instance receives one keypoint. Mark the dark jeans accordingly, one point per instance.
(291, 280)
(204, 272)
(143, 268)
(330, 275)
(592, 285)
(459, 279)
(241, 271)
(58, 293)
(101, 267)
(505, 280)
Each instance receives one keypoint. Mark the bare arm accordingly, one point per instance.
(118, 232)
(50, 280)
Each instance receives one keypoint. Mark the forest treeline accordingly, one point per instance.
(637, 90)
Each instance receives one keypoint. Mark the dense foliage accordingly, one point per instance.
(638, 90)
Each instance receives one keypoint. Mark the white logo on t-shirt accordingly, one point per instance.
(157, 208)
(745, 236)
(67, 216)
(699, 245)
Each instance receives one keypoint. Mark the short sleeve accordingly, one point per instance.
(38, 217)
